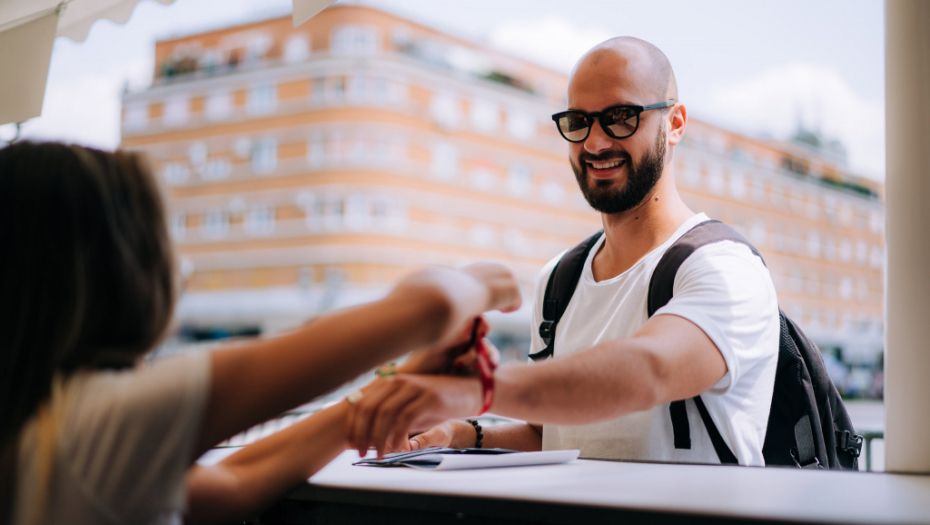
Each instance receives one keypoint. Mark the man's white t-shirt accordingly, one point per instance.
(723, 289)
(125, 440)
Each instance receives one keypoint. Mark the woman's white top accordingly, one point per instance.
(123, 443)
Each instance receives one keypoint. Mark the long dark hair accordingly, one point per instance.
(86, 274)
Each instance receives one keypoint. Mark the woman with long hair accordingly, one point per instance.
(89, 434)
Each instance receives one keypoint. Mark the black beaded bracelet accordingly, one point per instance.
(479, 436)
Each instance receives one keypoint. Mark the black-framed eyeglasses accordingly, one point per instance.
(618, 122)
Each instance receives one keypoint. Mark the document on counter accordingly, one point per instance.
(438, 458)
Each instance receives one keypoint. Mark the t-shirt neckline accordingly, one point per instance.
(588, 274)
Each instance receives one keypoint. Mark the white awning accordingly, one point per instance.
(28, 29)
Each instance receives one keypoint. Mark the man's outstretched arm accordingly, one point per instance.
(459, 433)
(669, 358)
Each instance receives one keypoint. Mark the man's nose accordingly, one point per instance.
(597, 140)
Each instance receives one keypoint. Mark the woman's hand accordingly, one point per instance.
(391, 409)
(503, 290)
(458, 358)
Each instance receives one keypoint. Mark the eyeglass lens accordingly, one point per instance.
(618, 122)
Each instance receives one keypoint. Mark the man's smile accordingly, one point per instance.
(605, 169)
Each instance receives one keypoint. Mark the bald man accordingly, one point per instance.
(616, 370)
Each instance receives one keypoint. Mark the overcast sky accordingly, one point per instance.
(750, 65)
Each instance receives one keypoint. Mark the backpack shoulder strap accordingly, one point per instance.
(559, 291)
(663, 277)
(661, 287)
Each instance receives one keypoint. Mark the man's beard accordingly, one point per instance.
(641, 178)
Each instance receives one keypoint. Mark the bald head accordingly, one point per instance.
(645, 63)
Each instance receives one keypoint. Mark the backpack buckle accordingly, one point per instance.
(545, 331)
(850, 443)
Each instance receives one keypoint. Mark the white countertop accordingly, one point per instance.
(740, 492)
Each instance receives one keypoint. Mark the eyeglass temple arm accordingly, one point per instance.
(657, 105)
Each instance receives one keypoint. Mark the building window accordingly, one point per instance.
(482, 236)
(846, 288)
(357, 152)
(176, 173)
(316, 151)
(829, 249)
(263, 98)
(830, 208)
(217, 169)
(219, 105)
(485, 115)
(336, 89)
(197, 153)
(215, 224)
(265, 156)
(876, 259)
(335, 146)
(297, 49)
(260, 221)
(776, 196)
(483, 179)
(445, 161)
(242, 147)
(862, 253)
(333, 213)
(379, 209)
(516, 243)
(862, 290)
(876, 221)
(812, 210)
(692, 175)
(355, 40)
(715, 182)
(757, 232)
(813, 244)
(319, 90)
(446, 109)
(178, 225)
(357, 88)
(812, 286)
(379, 89)
(520, 124)
(519, 179)
(136, 117)
(829, 287)
(845, 214)
(357, 217)
(756, 191)
(313, 211)
(846, 251)
(737, 185)
(553, 192)
(177, 110)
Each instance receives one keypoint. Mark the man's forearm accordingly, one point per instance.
(513, 436)
(602, 383)
(669, 358)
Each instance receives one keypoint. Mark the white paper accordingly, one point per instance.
(517, 459)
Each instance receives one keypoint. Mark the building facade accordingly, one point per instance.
(309, 168)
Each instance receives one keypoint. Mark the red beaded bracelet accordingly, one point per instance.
(486, 371)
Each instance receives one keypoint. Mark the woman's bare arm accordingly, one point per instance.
(253, 478)
(253, 382)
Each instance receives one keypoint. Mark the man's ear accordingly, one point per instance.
(677, 120)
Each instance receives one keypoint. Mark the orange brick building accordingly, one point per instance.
(309, 168)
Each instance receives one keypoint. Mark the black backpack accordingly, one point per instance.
(808, 424)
